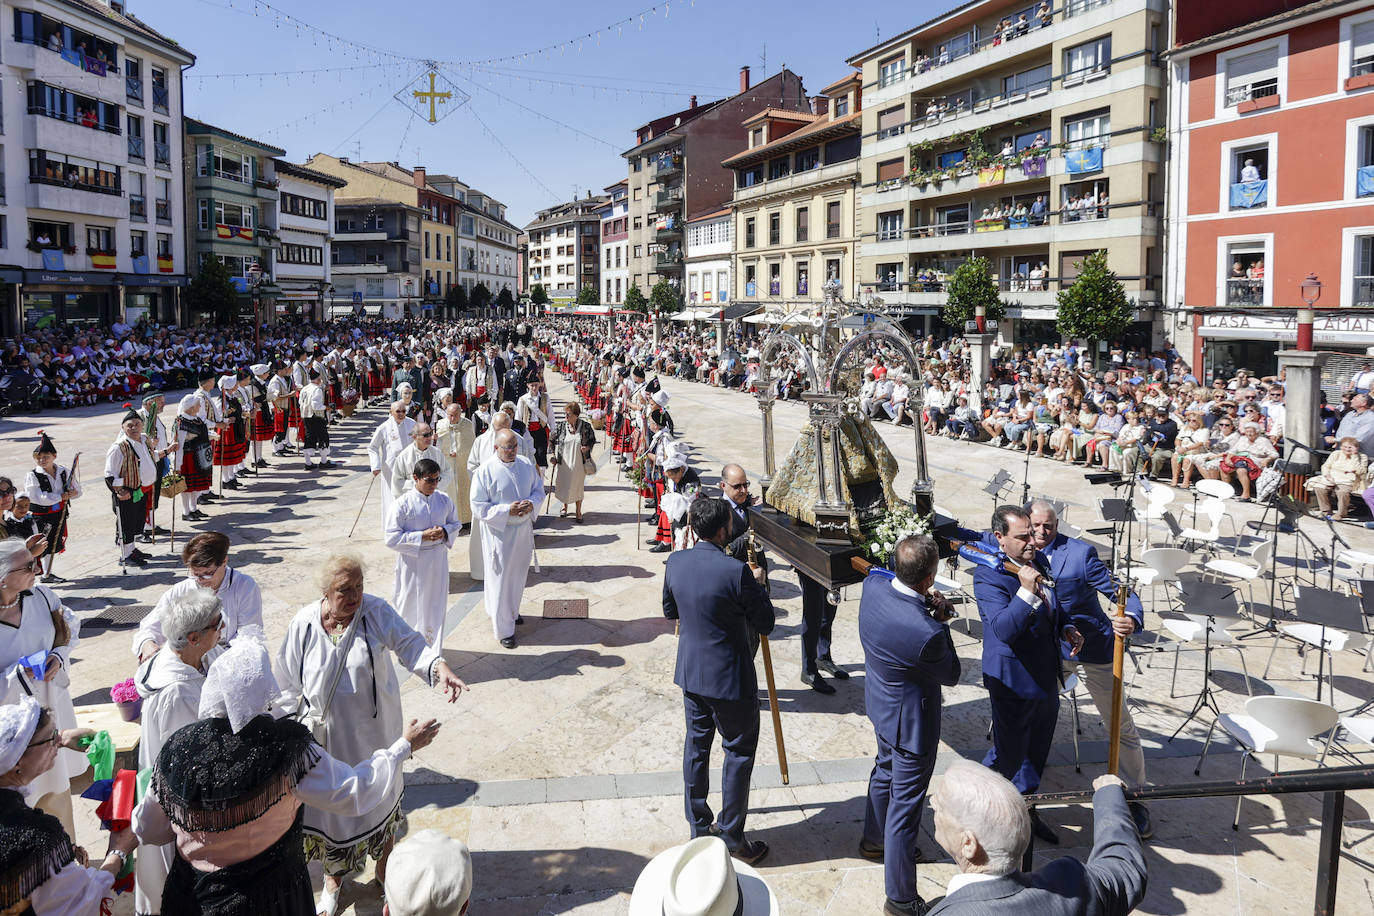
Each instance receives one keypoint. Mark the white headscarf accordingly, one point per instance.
(240, 685)
(17, 722)
(228, 382)
(188, 403)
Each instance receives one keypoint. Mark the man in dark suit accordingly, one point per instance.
(1080, 577)
(908, 657)
(717, 601)
(734, 488)
(1023, 623)
(982, 823)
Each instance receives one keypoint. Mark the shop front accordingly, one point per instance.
(1231, 340)
(70, 297)
(152, 296)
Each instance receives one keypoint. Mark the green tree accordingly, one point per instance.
(539, 295)
(505, 301)
(587, 295)
(480, 297)
(664, 298)
(212, 291)
(457, 299)
(1095, 306)
(970, 286)
(635, 301)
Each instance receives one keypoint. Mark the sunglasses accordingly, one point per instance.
(6, 491)
(430, 479)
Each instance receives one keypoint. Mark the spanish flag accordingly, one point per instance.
(103, 261)
(223, 231)
(246, 233)
(165, 265)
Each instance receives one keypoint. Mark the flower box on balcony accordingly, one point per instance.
(1362, 81)
(268, 183)
(69, 249)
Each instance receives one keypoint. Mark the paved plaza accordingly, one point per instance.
(561, 767)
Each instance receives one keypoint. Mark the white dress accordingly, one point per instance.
(34, 634)
(507, 542)
(420, 590)
(365, 711)
(171, 698)
(403, 469)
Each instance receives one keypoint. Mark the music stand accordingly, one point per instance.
(1324, 609)
(1211, 600)
(1118, 513)
(999, 482)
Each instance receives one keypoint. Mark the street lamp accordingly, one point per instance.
(1311, 291)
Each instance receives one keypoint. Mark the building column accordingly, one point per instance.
(980, 364)
(1302, 373)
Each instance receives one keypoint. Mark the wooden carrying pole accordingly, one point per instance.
(772, 686)
(1118, 665)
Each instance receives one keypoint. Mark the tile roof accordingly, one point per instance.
(196, 126)
(300, 171)
(815, 130)
(1238, 31)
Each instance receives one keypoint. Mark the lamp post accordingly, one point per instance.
(1311, 291)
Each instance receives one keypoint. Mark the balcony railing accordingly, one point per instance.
(162, 153)
(138, 206)
(85, 120)
(924, 64)
(161, 98)
(133, 89)
(109, 186)
(1245, 291)
(135, 147)
(1362, 67)
(668, 260)
(667, 200)
(832, 230)
(1262, 89)
(1362, 292)
(163, 208)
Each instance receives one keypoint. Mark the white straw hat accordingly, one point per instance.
(699, 878)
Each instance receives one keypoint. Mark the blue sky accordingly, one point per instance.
(538, 125)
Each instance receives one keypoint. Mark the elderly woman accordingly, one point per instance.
(443, 397)
(1191, 443)
(37, 636)
(1345, 470)
(1244, 460)
(405, 395)
(1108, 427)
(193, 455)
(38, 871)
(170, 683)
(228, 791)
(479, 380)
(1125, 451)
(335, 668)
(573, 441)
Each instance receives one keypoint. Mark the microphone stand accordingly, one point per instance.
(1336, 538)
(1025, 474)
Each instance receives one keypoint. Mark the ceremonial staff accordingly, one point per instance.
(362, 504)
(62, 518)
(768, 676)
(1118, 666)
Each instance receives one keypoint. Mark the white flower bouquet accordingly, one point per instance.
(899, 522)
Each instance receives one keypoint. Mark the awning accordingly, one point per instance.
(593, 310)
(681, 316)
(740, 310)
(761, 319)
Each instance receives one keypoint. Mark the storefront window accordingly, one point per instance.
(43, 309)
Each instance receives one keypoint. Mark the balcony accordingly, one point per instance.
(665, 201)
(1362, 292)
(1254, 96)
(164, 210)
(1243, 291)
(136, 148)
(133, 89)
(665, 261)
(666, 166)
(162, 154)
(138, 207)
(838, 171)
(669, 232)
(267, 188)
(161, 98)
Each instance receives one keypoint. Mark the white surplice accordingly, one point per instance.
(403, 469)
(507, 542)
(365, 711)
(420, 590)
(389, 440)
(171, 698)
(454, 441)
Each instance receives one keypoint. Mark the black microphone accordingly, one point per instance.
(1296, 444)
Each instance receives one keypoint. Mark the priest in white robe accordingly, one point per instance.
(453, 438)
(421, 528)
(403, 468)
(506, 493)
(389, 440)
(480, 453)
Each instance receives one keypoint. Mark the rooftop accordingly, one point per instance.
(1258, 25)
(811, 133)
(194, 126)
(299, 171)
(781, 114)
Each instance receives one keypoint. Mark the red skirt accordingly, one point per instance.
(229, 451)
(374, 384)
(264, 427)
(664, 532)
(197, 481)
(279, 418)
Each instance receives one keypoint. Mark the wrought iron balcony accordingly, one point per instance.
(666, 201)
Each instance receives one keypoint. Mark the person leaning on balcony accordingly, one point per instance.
(1037, 210)
(1043, 15)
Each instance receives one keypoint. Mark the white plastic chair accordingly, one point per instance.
(1246, 572)
(1327, 640)
(1157, 501)
(1282, 726)
(1211, 510)
(1218, 490)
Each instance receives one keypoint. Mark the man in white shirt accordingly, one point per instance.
(130, 474)
(389, 439)
(1363, 380)
(506, 493)
(403, 468)
(206, 557)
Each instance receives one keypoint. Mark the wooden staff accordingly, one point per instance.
(53, 546)
(1118, 666)
(362, 504)
(768, 678)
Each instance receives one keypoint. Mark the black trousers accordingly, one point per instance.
(738, 724)
(541, 446)
(130, 514)
(316, 432)
(818, 617)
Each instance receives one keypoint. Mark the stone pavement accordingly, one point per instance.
(561, 767)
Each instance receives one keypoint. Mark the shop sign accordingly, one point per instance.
(1334, 326)
(68, 277)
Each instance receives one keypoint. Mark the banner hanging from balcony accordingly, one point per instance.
(1364, 181)
(165, 265)
(991, 176)
(103, 261)
(431, 95)
(141, 264)
(1034, 167)
(1246, 194)
(1083, 160)
(53, 260)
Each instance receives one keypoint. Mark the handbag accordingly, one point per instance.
(589, 466)
(317, 720)
(204, 456)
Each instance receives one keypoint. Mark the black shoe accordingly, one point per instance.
(261, 463)
(917, 907)
(818, 684)
(873, 852)
(145, 538)
(648, 503)
(1043, 831)
(132, 560)
(139, 555)
(328, 464)
(751, 852)
(651, 517)
(160, 530)
(51, 577)
(832, 669)
(661, 547)
(232, 485)
(1143, 825)
(508, 642)
(196, 516)
(519, 620)
(208, 497)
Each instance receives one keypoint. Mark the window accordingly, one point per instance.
(775, 279)
(162, 150)
(890, 226)
(1087, 131)
(426, 246)
(160, 94)
(1245, 273)
(1032, 80)
(133, 80)
(892, 70)
(73, 172)
(56, 235)
(891, 122)
(1079, 7)
(891, 170)
(1252, 76)
(466, 225)
(302, 254)
(373, 287)
(803, 216)
(749, 232)
(889, 277)
(164, 200)
(840, 108)
(230, 166)
(138, 199)
(164, 245)
(138, 244)
(1364, 161)
(135, 128)
(1083, 200)
(749, 177)
(308, 207)
(807, 160)
(233, 215)
(1249, 173)
(775, 229)
(55, 102)
(779, 168)
(99, 239)
(1362, 48)
(756, 137)
(832, 219)
(1088, 60)
(1362, 283)
(750, 280)
(951, 220)
(803, 278)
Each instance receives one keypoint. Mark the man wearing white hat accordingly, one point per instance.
(698, 878)
(429, 874)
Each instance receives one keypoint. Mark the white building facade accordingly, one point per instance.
(305, 220)
(709, 242)
(615, 245)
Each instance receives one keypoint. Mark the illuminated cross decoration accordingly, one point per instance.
(433, 96)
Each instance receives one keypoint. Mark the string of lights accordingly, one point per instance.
(470, 109)
(510, 101)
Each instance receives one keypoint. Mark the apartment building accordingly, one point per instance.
(795, 201)
(1271, 178)
(487, 243)
(675, 171)
(706, 261)
(232, 203)
(377, 257)
(305, 222)
(1022, 133)
(94, 98)
(565, 247)
(615, 244)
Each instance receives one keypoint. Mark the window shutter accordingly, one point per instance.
(890, 118)
(890, 169)
(1252, 68)
(1362, 41)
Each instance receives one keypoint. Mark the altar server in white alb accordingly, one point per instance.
(506, 494)
(403, 468)
(390, 439)
(315, 416)
(421, 528)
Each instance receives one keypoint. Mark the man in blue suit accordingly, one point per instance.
(1023, 623)
(717, 601)
(1079, 577)
(908, 656)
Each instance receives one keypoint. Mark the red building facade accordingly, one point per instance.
(1271, 177)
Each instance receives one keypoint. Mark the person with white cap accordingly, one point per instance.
(699, 878)
(228, 791)
(262, 426)
(39, 874)
(430, 875)
(315, 416)
(675, 492)
(193, 437)
(233, 432)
